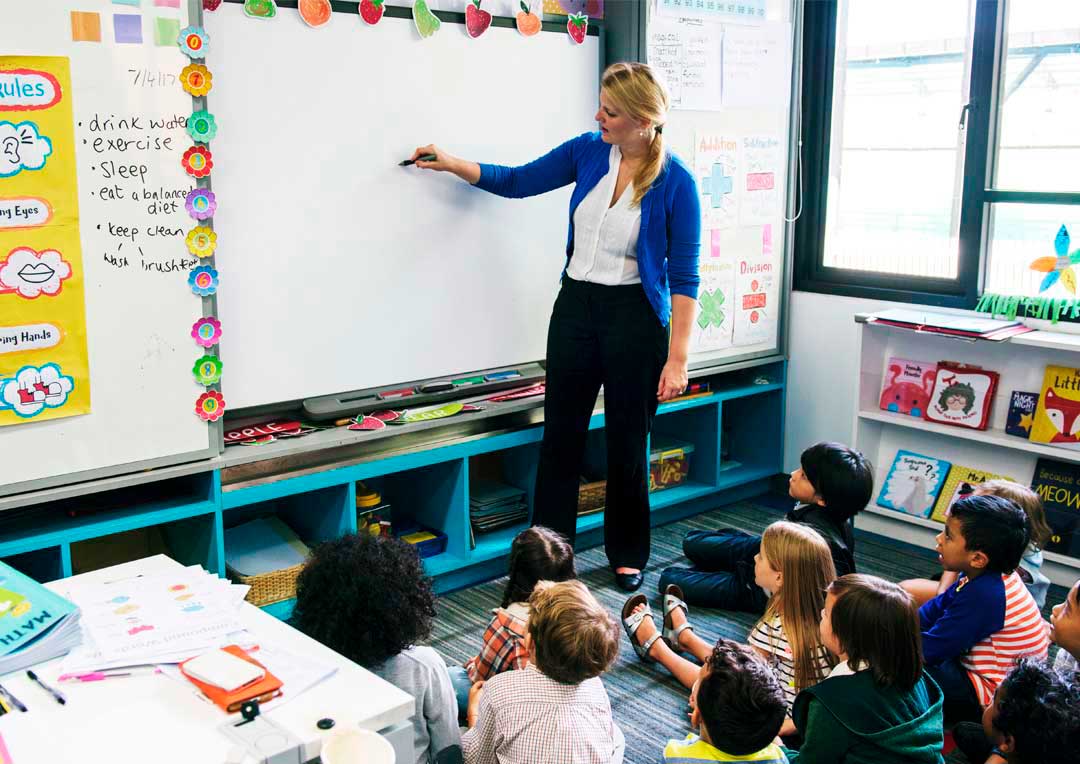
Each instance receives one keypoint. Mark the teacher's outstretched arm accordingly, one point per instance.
(673, 378)
(555, 169)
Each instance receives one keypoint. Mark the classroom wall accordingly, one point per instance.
(822, 347)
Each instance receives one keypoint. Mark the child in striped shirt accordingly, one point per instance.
(975, 631)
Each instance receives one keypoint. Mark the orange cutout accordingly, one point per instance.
(315, 13)
(85, 27)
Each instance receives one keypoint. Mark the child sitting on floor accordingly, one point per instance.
(366, 598)
(877, 706)
(1065, 631)
(981, 625)
(795, 567)
(1030, 568)
(536, 554)
(833, 484)
(555, 709)
(737, 707)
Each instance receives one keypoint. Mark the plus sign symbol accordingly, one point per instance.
(717, 185)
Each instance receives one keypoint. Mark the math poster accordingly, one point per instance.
(716, 168)
(44, 370)
(757, 300)
(716, 296)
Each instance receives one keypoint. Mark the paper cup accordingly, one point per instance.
(357, 746)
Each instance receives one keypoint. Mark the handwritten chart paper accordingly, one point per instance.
(687, 53)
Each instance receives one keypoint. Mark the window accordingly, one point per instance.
(934, 156)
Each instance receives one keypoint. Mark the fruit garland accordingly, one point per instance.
(201, 241)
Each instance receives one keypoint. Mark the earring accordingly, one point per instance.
(641, 133)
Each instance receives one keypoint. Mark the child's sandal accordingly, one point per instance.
(632, 621)
(673, 598)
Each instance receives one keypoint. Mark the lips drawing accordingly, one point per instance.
(38, 273)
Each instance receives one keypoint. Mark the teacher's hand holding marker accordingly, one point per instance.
(622, 318)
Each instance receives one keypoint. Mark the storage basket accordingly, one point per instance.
(591, 497)
(268, 588)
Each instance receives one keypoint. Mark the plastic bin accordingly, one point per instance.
(669, 463)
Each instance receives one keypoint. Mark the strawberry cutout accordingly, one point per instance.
(368, 423)
(476, 20)
(577, 25)
(371, 11)
(527, 22)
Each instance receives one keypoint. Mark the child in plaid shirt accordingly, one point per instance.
(537, 554)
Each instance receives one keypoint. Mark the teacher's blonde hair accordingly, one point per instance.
(636, 90)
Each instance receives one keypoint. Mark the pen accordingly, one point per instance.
(424, 158)
(57, 695)
(11, 699)
(98, 676)
(403, 392)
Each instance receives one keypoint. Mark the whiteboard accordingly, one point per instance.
(138, 316)
(731, 79)
(341, 270)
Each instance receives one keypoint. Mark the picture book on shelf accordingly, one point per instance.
(960, 481)
(913, 483)
(1057, 415)
(906, 386)
(961, 396)
(1021, 413)
(1058, 485)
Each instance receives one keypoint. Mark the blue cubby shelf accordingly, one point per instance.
(736, 431)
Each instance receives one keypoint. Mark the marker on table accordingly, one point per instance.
(11, 699)
(100, 676)
(501, 375)
(423, 158)
(436, 387)
(466, 381)
(402, 393)
(57, 695)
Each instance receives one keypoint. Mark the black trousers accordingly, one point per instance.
(610, 336)
(723, 572)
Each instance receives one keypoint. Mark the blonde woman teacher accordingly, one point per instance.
(628, 297)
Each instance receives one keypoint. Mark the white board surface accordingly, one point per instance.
(341, 270)
(138, 316)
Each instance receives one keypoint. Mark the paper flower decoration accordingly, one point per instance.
(1058, 267)
(207, 370)
(210, 407)
(197, 161)
(201, 241)
(193, 42)
(260, 9)
(203, 280)
(200, 203)
(210, 5)
(202, 126)
(196, 80)
(206, 332)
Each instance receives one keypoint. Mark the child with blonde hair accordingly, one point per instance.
(555, 709)
(794, 567)
(1030, 568)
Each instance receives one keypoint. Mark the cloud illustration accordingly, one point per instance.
(22, 148)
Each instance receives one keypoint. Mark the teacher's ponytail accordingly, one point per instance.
(637, 90)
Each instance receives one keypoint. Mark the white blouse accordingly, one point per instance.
(605, 238)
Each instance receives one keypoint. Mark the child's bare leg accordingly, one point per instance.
(682, 669)
(688, 639)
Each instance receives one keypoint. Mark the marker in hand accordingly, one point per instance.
(424, 158)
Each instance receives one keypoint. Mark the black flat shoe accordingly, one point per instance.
(629, 582)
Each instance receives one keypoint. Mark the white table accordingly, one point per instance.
(157, 720)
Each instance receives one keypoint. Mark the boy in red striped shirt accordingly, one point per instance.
(976, 630)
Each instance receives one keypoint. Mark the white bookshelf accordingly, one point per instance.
(879, 434)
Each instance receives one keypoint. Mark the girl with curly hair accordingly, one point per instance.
(367, 598)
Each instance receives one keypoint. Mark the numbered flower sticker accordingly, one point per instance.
(203, 280)
(193, 42)
(197, 161)
(207, 370)
(201, 241)
(202, 127)
(200, 203)
(206, 332)
(210, 407)
(196, 80)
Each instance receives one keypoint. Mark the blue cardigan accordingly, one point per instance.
(670, 236)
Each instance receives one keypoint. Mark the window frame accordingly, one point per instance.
(989, 49)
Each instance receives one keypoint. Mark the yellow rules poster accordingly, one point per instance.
(44, 371)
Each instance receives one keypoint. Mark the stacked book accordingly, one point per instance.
(950, 324)
(495, 505)
(36, 625)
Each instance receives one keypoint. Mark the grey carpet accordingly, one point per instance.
(648, 704)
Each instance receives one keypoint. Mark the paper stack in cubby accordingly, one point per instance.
(494, 505)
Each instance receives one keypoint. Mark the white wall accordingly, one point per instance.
(821, 373)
